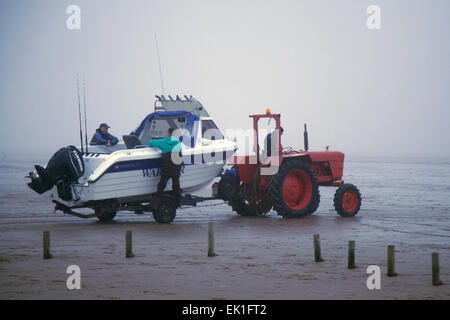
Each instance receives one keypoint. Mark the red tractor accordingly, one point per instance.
(292, 188)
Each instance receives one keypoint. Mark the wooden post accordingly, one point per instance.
(46, 245)
(211, 252)
(129, 244)
(391, 261)
(435, 269)
(317, 255)
(351, 254)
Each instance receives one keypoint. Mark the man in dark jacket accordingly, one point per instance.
(169, 169)
(101, 136)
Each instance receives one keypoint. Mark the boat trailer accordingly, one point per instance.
(164, 209)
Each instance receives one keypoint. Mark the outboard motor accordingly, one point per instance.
(63, 168)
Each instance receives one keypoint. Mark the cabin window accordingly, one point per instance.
(157, 128)
(214, 134)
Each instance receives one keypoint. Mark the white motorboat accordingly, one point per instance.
(126, 175)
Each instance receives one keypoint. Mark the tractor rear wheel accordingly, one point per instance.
(105, 215)
(294, 190)
(347, 200)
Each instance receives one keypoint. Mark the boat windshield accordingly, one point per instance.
(211, 131)
(157, 128)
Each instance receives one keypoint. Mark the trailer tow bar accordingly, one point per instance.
(190, 200)
(68, 210)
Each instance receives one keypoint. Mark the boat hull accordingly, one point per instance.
(127, 176)
(144, 181)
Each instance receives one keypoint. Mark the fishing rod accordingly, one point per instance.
(79, 114)
(85, 115)
(159, 64)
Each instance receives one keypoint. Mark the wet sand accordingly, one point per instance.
(258, 258)
(405, 203)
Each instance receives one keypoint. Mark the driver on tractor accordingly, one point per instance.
(267, 150)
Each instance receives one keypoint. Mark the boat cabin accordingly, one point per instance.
(197, 127)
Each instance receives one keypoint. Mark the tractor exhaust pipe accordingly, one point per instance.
(305, 139)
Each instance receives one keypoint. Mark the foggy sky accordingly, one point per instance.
(366, 93)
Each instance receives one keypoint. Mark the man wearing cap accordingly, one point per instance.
(102, 136)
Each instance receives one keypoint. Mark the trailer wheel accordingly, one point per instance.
(258, 203)
(294, 190)
(228, 187)
(166, 210)
(347, 200)
(105, 215)
(239, 205)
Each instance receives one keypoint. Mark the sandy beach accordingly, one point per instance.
(258, 258)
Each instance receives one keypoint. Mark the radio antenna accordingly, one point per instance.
(85, 115)
(159, 64)
(79, 113)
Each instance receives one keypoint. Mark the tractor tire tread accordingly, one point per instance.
(276, 195)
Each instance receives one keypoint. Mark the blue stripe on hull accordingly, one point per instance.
(148, 164)
(133, 165)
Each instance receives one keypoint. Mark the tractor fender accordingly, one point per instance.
(334, 160)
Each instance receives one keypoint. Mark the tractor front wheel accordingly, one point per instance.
(347, 200)
(294, 190)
